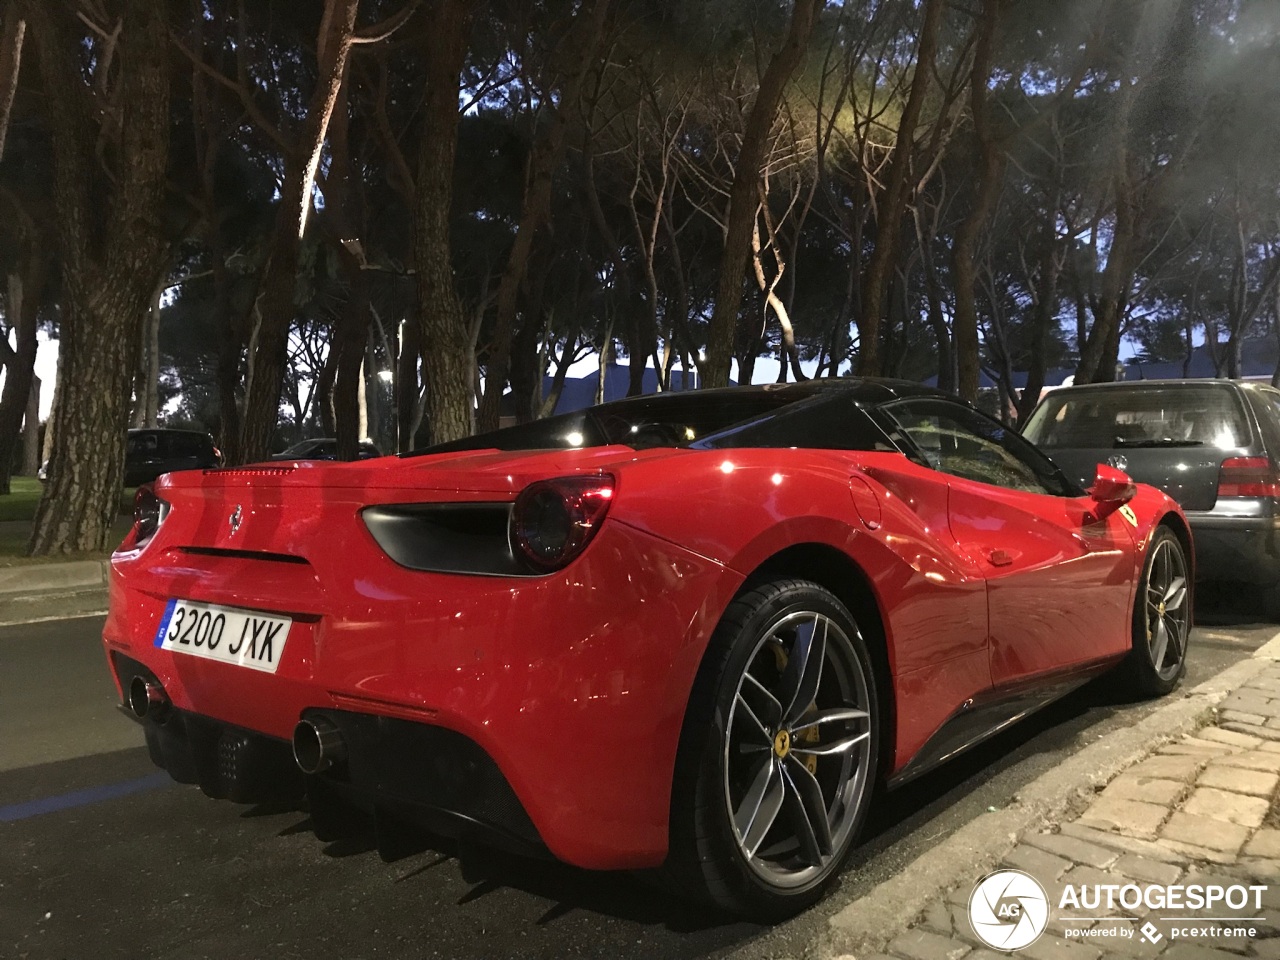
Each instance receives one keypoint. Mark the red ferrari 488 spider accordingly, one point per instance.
(689, 631)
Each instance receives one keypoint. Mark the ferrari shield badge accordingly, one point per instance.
(1129, 515)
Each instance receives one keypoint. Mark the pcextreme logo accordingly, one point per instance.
(1008, 910)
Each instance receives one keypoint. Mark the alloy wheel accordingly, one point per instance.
(1167, 609)
(798, 748)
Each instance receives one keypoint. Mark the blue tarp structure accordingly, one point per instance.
(580, 392)
(1257, 362)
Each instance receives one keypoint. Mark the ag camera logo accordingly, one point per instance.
(1008, 910)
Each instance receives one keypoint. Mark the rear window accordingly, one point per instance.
(142, 445)
(1170, 416)
(188, 445)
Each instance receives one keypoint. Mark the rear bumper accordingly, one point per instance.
(1243, 549)
(573, 687)
(394, 769)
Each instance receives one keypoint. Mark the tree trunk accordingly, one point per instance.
(153, 363)
(1275, 322)
(644, 329)
(146, 388)
(579, 47)
(1098, 356)
(891, 207)
(789, 354)
(448, 360)
(743, 193)
(108, 273)
(366, 399)
(13, 30)
(230, 352)
(407, 392)
(1046, 309)
(941, 333)
(606, 356)
(31, 432)
(271, 355)
(24, 308)
(527, 366)
(965, 245)
(46, 443)
(349, 342)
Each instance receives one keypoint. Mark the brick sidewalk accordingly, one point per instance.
(1201, 810)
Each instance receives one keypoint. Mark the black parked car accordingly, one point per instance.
(149, 453)
(1212, 445)
(323, 448)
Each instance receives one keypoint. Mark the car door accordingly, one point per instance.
(1058, 579)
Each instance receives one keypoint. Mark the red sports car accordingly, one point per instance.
(688, 631)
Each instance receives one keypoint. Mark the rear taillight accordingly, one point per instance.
(1248, 477)
(149, 512)
(554, 520)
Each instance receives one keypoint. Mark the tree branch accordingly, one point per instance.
(387, 28)
(251, 108)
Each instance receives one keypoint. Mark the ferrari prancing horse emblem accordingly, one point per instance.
(234, 519)
(1129, 515)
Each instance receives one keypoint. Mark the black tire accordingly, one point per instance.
(1271, 603)
(774, 859)
(1161, 617)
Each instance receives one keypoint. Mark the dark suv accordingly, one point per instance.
(1212, 445)
(149, 453)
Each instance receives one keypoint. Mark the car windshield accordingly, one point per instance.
(1144, 416)
(735, 418)
(301, 448)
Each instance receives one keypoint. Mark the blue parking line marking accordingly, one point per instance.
(82, 798)
(164, 622)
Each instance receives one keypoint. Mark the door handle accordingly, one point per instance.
(1000, 558)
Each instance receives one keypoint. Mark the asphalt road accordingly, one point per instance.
(101, 856)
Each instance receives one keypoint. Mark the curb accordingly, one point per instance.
(42, 591)
(866, 925)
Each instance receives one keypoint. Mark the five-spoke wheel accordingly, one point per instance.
(781, 776)
(796, 754)
(1162, 616)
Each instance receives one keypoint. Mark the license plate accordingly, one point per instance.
(239, 637)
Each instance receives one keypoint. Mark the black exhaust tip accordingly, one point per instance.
(317, 745)
(147, 699)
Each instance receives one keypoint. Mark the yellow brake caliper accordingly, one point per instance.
(811, 735)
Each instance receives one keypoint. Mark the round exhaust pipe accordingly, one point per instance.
(317, 745)
(147, 699)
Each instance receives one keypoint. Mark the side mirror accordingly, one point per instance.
(1111, 490)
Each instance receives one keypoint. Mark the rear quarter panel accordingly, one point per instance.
(742, 507)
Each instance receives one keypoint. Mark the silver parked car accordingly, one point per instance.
(1212, 445)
